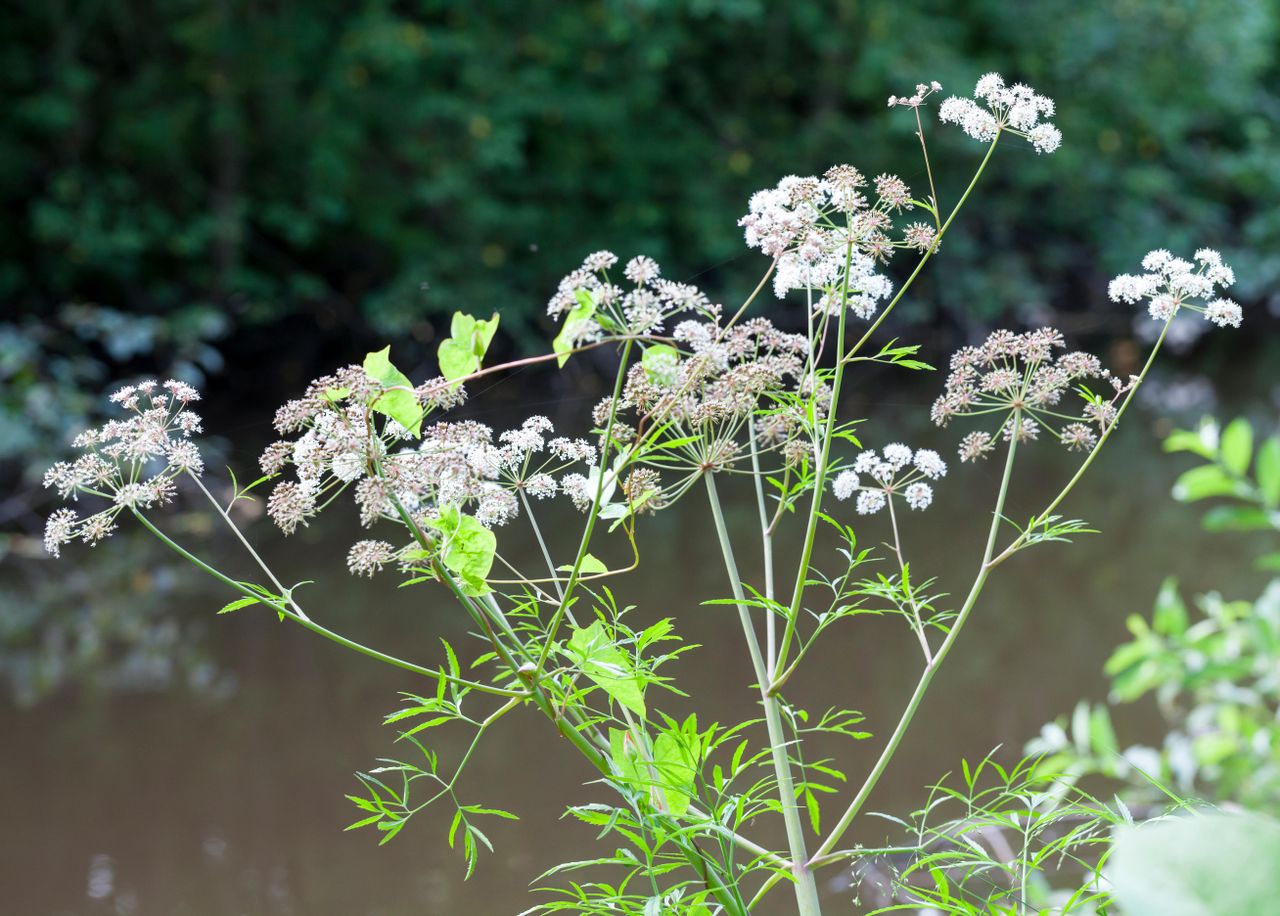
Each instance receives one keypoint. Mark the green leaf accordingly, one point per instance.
(1269, 472)
(1170, 617)
(583, 311)
(1202, 441)
(675, 764)
(1206, 865)
(238, 604)
(463, 351)
(397, 401)
(1237, 446)
(469, 549)
(608, 666)
(1237, 518)
(1203, 482)
(590, 565)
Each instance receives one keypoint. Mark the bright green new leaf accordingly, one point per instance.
(1170, 617)
(1203, 482)
(397, 401)
(1269, 472)
(590, 566)
(469, 548)
(670, 772)
(238, 604)
(1237, 445)
(462, 352)
(582, 312)
(608, 666)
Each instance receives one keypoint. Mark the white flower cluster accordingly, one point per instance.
(1171, 283)
(641, 310)
(1016, 109)
(923, 91)
(131, 462)
(825, 232)
(897, 470)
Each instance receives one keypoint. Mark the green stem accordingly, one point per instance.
(249, 547)
(841, 359)
(766, 547)
(593, 514)
(315, 627)
(932, 667)
(1084, 466)
(805, 887)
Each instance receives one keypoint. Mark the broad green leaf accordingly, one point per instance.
(1170, 617)
(590, 565)
(1194, 441)
(398, 400)
(1205, 865)
(583, 311)
(1269, 472)
(469, 548)
(671, 772)
(1101, 735)
(676, 766)
(1237, 446)
(463, 351)
(1238, 518)
(1203, 482)
(1269, 562)
(608, 666)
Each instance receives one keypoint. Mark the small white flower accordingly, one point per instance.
(845, 484)
(1223, 312)
(930, 463)
(919, 495)
(866, 462)
(870, 501)
(897, 455)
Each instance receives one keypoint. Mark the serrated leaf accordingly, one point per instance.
(238, 604)
(469, 549)
(608, 666)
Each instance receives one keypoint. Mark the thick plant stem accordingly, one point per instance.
(805, 886)
(932, 667)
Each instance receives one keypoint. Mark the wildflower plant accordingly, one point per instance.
(704, 397)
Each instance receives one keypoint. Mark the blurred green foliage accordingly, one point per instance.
(379, 162)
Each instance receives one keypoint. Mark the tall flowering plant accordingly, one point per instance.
(702, 394)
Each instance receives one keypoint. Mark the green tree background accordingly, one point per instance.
(185, 179)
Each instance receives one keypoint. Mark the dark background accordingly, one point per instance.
(246, 195)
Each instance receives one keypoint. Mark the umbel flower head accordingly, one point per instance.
(827, 234)
(895, 472)
(1016, 109)
(130, 463)
(1170, 284)
(1019, 379)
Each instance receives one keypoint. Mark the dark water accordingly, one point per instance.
(174, 802)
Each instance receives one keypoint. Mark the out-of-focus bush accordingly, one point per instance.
(359, 160)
